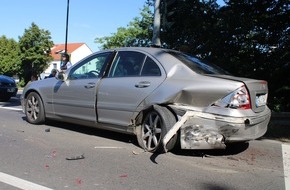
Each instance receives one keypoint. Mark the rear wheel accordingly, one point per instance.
(34, 109)
(155, 125)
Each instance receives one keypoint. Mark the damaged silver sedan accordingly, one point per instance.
(163, 96)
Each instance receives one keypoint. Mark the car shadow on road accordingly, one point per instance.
(93, 131)
(231, 149)
(13, 102)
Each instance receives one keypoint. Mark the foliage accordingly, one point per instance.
(246, 37)
(10, 62)
(258, 36)
(137, 33)
(191, 24)
(35, 45)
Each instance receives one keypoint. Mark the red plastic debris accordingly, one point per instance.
(78, 181)
(123, 176)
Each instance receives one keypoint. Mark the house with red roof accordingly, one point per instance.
(77, 51)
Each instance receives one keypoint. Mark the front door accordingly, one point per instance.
(75, 97)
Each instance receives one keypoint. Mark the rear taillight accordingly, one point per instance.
(238, 99)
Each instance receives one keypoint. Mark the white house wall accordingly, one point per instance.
(75, 56)
(80, 53)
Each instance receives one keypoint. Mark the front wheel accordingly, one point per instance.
(156, 123)
(34, 109)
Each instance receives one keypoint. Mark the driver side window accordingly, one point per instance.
(89, 68)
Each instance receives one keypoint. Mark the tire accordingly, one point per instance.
(34, 109)
(154, 127)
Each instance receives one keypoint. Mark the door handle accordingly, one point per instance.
(90, 85)
(143, 84)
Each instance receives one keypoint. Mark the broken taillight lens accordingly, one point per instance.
(238, 99)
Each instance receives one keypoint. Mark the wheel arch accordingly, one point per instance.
(139, 118)
(35, 91)
(168, 117)
(30, 91)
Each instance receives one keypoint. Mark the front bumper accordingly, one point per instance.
(200, 130)
(8, 92)
(22, 101)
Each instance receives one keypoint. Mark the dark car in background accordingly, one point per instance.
(8, 88)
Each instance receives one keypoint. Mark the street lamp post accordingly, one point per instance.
(66, 28)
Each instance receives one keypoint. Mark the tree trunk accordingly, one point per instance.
(156, 24)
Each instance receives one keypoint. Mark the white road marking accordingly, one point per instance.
(108, 147)
(9, 108)
(286, 164)
(20, 183)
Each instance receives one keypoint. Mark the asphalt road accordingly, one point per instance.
(65, 156)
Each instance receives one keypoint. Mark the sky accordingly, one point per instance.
(88, 19)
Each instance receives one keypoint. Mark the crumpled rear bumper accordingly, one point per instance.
(200, 130)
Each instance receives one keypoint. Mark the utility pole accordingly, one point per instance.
(66, 28)
(156, 24)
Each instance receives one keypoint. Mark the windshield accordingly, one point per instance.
(197, 65)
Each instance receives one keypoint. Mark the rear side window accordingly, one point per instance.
(130, 64)
(150, 68)
(127, 63)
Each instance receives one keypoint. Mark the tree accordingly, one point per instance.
(35, 45)
(137, 33)
(156, 24)
(249, 38)
(10, 62)
(190, 24)
(255, 44)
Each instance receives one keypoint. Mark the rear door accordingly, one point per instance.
(132, 77)
(75, 97)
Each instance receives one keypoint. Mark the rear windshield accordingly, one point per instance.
(197, 65)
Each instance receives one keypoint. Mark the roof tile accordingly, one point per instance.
(57, 49)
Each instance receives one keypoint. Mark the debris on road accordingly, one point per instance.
(76, 157)
(123, 176)
(232, 158)
(51, 154)
(78, 181)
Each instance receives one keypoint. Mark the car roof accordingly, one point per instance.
(150, 50)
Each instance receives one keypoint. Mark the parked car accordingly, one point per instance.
(8, 88)
(160, 95)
